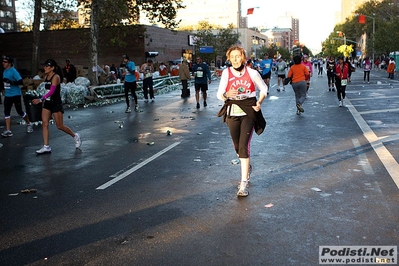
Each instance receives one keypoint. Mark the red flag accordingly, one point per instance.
(250, 11)
(362, 19)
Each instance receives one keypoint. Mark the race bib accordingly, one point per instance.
(7, 85)
(267, 66)
(344, 82)
(200, 74)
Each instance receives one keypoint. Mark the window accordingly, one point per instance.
(7, 26)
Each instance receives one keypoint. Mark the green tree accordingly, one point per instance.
(126, 12)
(225, 38)
(205, 37)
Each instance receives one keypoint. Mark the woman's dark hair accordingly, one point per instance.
(297, 59)
(58, 71)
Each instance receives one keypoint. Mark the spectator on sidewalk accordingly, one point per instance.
(391, 68)
(163, 69)
(366, 69)
(184, 74)
(69, 71)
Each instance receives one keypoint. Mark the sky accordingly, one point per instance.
(316, 17)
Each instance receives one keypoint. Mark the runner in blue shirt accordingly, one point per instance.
(266, 67)
(12, 80)
(130, 83)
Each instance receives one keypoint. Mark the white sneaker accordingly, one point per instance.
(343, 104)
(29, 128)
(44, 150)
(78, 141)
(7, 133)
(243, 191)
(340, 103)
(136, 108)
(128, 110)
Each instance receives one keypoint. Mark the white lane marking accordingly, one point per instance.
(363, 161)
(382, 152)
(135, 168)
(379, 111)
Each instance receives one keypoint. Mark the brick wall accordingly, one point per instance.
(74, 44)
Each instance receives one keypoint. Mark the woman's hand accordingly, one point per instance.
(257, 106)
(231, 93)
(36, 101)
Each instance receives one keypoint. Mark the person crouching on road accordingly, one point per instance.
(341, 79)
(241, 110)
(53, 105)
(12, 80)
(299, 75)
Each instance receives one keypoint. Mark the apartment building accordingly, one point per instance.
(8, 21)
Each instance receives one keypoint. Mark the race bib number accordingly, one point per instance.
(147, 75)
(344, 82)
(267, 65)
(200, 74)
(7, 85)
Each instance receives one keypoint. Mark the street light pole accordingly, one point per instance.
(373, 33)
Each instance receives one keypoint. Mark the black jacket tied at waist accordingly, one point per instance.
(246, 106)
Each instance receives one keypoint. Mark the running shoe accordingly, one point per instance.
(300, 108)
(29, 128)
(78, 141)
(243, 191)
(44, 150)
(198, 106)
(205, 104)
(136, 108)
(7, 133)
(128, 110)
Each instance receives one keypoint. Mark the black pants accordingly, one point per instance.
(130, 86)
(330, 78)
(148, 85)
(185, 92)
(366, 74)
(241, 129)
(9, 102)
(340, 89)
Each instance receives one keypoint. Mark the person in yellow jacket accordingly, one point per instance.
(184, 74)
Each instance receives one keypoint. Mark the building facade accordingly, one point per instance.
(8, 20)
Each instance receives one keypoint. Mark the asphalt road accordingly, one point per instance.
(328, 177)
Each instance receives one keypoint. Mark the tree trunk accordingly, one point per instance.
(36, 36)
(94, 38)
